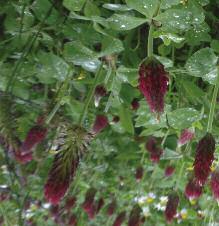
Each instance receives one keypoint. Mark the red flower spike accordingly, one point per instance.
(72, 143)
(171, 207)
(119, 219)
(154, 150)
(193, 190)
(100, 92)
(23, 158)
(139, 173)
(135, 216)
(70, 202)
(153, 83)
(203, 158)
(72, 221)
(169, 171)
(35, 135)
(111, 208)
(215, 184)
(89, 205)
(100, 123)
(135, 104)
(185, 137)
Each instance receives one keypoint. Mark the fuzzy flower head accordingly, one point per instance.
(203, 158)
(185, 137)
(135, 216)
(70, 202)
(120, 219)
(139, 173)
(100, 123)
(88, 204)
(100, 92)
(135, 104)
(169, 171)
(66, 161)
(72, 221)
(215, 184)
(171, 207)
(193, 190)
(154, 150)
(35, 135)
(153, 83)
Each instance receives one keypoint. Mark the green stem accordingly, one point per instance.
(90, 94)
(150, 40)
(213, 104)
(53, 112)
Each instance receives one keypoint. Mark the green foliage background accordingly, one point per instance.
(45, 45)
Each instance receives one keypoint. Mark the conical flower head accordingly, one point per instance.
(89, 204)
(185, 137)
(135, 216)
(100, 123)
(120, 219)
(71, 143)
(154, 150)
(153, 83)
(139, 173)
(193, 189)
(100, 92)
(70, 202)
(203, 158)
(169, 171)
(215, 184)
(171, 207)
(34, 136)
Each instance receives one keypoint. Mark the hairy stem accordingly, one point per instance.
(150, 40)
(213, 105)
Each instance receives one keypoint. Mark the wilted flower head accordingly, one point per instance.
(135, 216)
(100, 123)
(169, 171)
(100, 92)
(135, 104)
(35, 135)
(215, 184)
(153, 82)
(66, 161)
(23, 158)
(154, 150)
(185, 137)
(139, 173)
(119, 219)
(111, 207)
(193, 189)
(203, 158)
(171, 207)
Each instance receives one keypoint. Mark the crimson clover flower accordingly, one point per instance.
(171, 207)
(193, 189)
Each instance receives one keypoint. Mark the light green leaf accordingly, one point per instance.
(124, 22)
(74, 5)
(126, 119)
(165, 4)
(129, 75)
(215, 45)
(183, 118)
(116, 7)
(146, 7)
(203, 64)
(91, 9)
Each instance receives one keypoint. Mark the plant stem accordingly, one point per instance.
(213, 104)
(150, 40)
(90, 94)
(53, 112)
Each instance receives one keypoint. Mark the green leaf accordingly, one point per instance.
(203, 64)
(168, 37)
(146, 7)
(116, 7)
(124, 22)
(183, 118)
(165, 4)
(74, 5)
(215, 45)
(126, 119)
(91, 9)
(129, 75)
